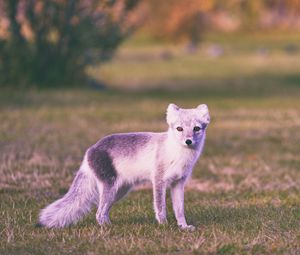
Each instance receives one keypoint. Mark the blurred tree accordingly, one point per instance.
(50, 42)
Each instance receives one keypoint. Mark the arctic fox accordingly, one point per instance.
(115, 163)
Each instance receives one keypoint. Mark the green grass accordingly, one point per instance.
(251, 65)
(244, 197)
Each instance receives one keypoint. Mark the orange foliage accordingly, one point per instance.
(182, 14)
(189, 19)
(178, 19)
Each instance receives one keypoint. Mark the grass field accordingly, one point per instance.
(244, 197)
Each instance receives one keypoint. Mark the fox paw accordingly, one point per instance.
(104, 221)
(162, 221)
(188, 227)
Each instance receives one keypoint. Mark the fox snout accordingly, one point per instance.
(188, 141)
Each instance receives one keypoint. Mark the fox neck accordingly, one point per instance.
(180, 159)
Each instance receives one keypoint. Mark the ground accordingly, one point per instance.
(244, 196)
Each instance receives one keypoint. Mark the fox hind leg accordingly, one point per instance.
(109, 194)
(107, 198)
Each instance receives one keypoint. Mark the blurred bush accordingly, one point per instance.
(50, 42)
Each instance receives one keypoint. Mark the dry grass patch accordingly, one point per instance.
(243, 198)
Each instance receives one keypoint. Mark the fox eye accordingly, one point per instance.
(196, 129)
(180, 129)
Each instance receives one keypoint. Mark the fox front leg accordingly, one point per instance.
(159, 199)
(177, 194)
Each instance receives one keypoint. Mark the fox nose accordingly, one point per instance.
(188, 142)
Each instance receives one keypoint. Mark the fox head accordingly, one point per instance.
(188, 125)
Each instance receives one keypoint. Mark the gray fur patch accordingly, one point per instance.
(123, 144)
(100, 155)
(102, 164)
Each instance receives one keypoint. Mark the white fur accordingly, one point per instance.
(138, 169)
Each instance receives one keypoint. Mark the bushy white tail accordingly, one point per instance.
(73, 205)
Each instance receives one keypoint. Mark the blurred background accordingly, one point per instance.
(173, 45)
(73, 71)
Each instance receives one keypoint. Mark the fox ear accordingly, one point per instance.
(203, 110)
(172, 113)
